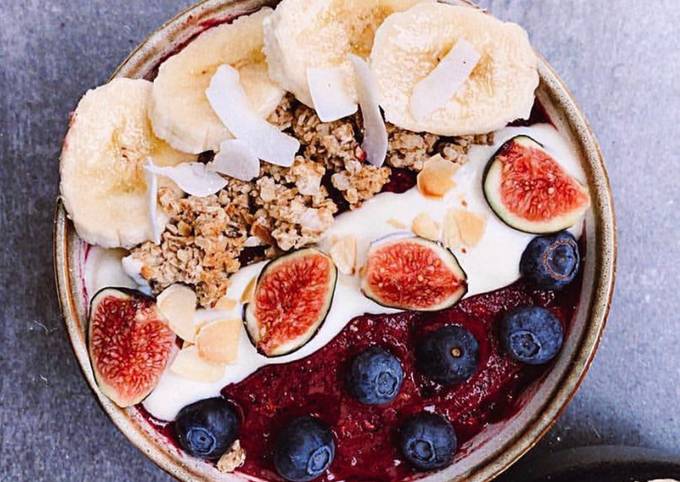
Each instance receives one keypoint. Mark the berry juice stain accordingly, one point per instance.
(366, 435)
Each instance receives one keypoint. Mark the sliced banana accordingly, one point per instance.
(304, 34)
(409, 45)
(180, 112)
(102, 178)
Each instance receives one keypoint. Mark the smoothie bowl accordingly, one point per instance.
(335, 240)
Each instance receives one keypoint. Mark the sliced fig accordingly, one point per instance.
(291, 300)
(412, 273)
(130, 344)
(529, 190)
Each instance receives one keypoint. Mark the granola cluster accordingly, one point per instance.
(284, 208)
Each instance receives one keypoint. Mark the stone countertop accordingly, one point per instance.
(621, 60)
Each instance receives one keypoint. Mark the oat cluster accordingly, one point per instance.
(206, 238)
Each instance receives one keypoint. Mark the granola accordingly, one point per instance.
(284, 208)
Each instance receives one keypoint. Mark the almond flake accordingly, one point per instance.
(226, 303)
(217, 341)
(189, 364)
(375, 136)
(193, 178)
(425, 227)
(471, 226)
(177, 303)
(249, 291)
(235, 159)
(329, 93)
(436, 178)
(344, 254)
(232, 458)
(396, 223)
(232, 106)
(448, 77)
(451, 233)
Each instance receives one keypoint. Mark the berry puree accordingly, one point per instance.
(366, 435)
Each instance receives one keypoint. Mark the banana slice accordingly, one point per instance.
(102, 178)
(180, 112)
(409, 45)
(310, 34)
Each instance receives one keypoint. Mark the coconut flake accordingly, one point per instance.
(436, 90)
(329, 93)
(236, 160)
(230, 103)
(152, 185)
(375, 137)
(193, 178)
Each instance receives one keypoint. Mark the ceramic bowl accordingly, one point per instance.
(498, 446)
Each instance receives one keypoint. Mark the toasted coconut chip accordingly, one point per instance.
(152, 186)
(230, 103)
(178, 304)
(329, 93)
(436, 90)
(236, 160)
(193, 178)
(189, 364)
(375, 136)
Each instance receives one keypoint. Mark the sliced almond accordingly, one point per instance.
(470, 225)
(436, 178)
(425, 227)
(189, 364)
(178, 304)
(396, 223)
(249, 292)
(226, 303)
(344, 254)
(232, 458)
(450, 231)
(217, 341)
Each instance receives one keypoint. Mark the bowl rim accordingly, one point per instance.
(556, 402)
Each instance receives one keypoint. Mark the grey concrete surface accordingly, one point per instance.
(620, 58)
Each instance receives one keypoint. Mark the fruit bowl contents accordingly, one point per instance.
(338, 259)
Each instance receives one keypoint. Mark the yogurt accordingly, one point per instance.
(492, 264)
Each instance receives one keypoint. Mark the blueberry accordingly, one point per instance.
(304, 450)
(551, 262)
(532, 335)
(375, 376)
(427, 441)
(448, 355)
(207, 429)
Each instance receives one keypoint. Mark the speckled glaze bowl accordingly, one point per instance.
(498, 446)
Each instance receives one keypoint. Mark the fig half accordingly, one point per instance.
(412, 273)
(291, 300)
(529, 191)
(130, 344)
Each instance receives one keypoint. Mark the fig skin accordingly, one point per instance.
(127, 386)
(445, 256)
(552, 225)
(249, 311)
